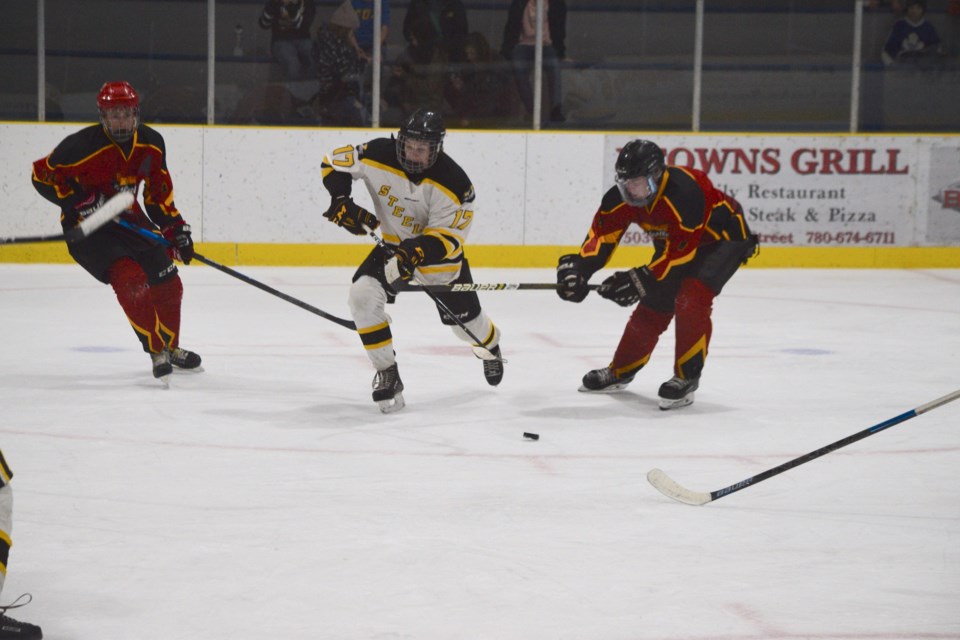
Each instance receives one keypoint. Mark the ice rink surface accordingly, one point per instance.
(268, 498)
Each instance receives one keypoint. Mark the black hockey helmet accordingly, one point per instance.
(640, 159)
(422, 125)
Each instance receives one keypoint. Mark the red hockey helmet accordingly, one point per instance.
(119, 107)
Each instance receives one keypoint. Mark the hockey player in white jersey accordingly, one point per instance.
(424, 206)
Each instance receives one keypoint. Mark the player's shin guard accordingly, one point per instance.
(693, 328)
(639, 338)
(129, 283)
(167, 298)
(367, 303)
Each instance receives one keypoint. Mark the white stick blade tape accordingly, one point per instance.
(110, 210)
(665, 485)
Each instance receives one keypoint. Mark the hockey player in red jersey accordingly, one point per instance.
(92, 165)
(700, 239)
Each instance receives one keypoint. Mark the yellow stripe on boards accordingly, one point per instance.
(506, 256)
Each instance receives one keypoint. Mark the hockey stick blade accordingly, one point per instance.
(670, 488)
(107, 212)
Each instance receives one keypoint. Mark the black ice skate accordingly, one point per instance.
(11, 629)
(162, 367)
(387, 388)
(183, 359)
(677, 392)
(493, 369)
(604, 381)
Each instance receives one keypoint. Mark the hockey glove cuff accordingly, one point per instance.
(571, 282)
(344, 212)
(404, 262)
(181, 243)
(627, 288)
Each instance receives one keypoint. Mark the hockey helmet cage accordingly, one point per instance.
(640, 159)
(422, 125)
(117, 101)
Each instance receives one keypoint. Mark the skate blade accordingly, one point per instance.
(685, 401)
(164, 381)
(393, 404)
(198, 369)
(620, 386)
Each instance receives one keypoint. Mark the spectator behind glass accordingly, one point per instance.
(340, 69)
(447, 19)
(912, 38)
(364, 9)
(519, 46)
(289, 22)
(478, 93)
(418, 75)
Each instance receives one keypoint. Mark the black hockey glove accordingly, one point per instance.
(627, 288)
(80, 207)
(178, 234)
(404, 261)
(344, 212)
(571, 283)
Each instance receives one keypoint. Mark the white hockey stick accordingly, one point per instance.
(670, 488)
(107, 212)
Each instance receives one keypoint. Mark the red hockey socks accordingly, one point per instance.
(153, 312)
(694, 304)
(639, 338)
(166, 298)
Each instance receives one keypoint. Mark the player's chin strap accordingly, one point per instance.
(146, 233)
(478, 349)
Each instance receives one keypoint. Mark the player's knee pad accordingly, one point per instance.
(367, 298)
(128, 280)
(694, 297)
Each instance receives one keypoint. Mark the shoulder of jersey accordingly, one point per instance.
(681, 183)
(80, 144)
(451, 175)
(382, 151)
(149, 135)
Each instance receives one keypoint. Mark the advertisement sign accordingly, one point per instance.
(943, 201)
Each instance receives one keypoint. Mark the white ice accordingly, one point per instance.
(268, 498)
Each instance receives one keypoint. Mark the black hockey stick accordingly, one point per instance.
(146, 233)
(492, 286)
(481, 351)
(668, 487)
(107, 212)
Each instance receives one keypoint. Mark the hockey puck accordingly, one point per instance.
(531, 436)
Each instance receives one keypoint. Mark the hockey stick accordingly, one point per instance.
(493, 286)
(146, 233)
(668, 487)
(107, 212)
(481, 351)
